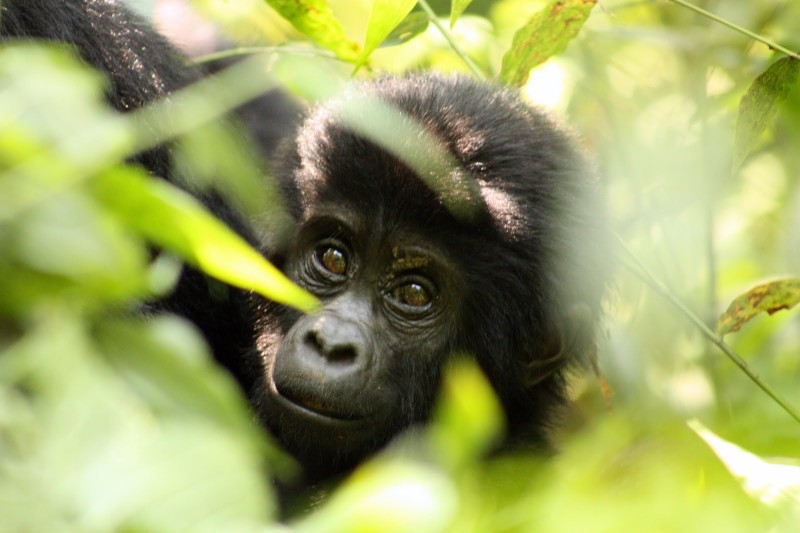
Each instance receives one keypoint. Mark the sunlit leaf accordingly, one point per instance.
(759, 105)
(457, 7)
(411, 26)
(468, 418)
(769, 482)
(315, 19)
(546, 34)
(770, 297)
(174, 220)
(388, 496)
(384, 17)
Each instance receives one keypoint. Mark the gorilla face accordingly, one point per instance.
(339, 383)
(406, 282)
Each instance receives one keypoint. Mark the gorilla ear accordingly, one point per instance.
(572, 342)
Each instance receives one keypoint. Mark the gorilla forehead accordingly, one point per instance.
(507, 152)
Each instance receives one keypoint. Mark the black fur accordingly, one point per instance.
(518, 284)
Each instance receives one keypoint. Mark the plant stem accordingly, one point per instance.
(449, 38)
(736, 27)
(650, 280)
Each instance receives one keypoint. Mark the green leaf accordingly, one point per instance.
(457, 7)
(767, 481)
(468, 417)
(176, 221)
(315, 19)
(759, 105)
(385, 16)
(770, 297)
(90, 454)
(411, 26)
(390, 496)
(543, 36)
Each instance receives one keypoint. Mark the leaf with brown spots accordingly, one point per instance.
(770, 297)
(545, 35)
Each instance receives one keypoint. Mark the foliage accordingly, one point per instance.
(115, 423)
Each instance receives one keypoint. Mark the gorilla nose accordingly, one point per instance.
(337, 341)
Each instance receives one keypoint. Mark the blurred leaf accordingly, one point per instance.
(45, 93)
(546, 34)
(168, 364)
(310, 77)
(66, 247)
(384, 17)
(770, 297)
(215, 157)
(411, 26)
(769, 482)
(79, 452)
(174, 220)
(759, 105)
(457, 7)
(406, 139)
(387, 496)
(315, 19)
(468, 418)
(628, 473)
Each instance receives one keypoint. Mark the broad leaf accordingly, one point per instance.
(770, 482)
(543, 36)
(759, 105)
(411, 26)
(83, 450)
(468, 416)
(457, 7)
(770, 297)
(315, 19)
(173, 219)
(384, 17)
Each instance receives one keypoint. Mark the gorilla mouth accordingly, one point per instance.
(313, 406)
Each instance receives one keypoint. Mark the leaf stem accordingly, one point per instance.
(643, 273)
(449, 38)
(772, 45)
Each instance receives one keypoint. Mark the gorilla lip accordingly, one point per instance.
(310, 406)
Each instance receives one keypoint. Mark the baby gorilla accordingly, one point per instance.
(511, 272)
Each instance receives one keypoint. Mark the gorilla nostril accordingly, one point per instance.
(340, 354)
(312, 340)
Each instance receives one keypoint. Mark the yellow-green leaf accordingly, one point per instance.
(315, 19)
(384, 17)
(759, 105)
(176, 221)
(468, 416)
(457, 7)
(770, 297)
(543, 36)
(415, 23)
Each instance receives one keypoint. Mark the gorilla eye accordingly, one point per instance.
(333, 259)
(412, 294)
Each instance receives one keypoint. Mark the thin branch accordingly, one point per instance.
(641, 271)
(736, 27)
(449, 38)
